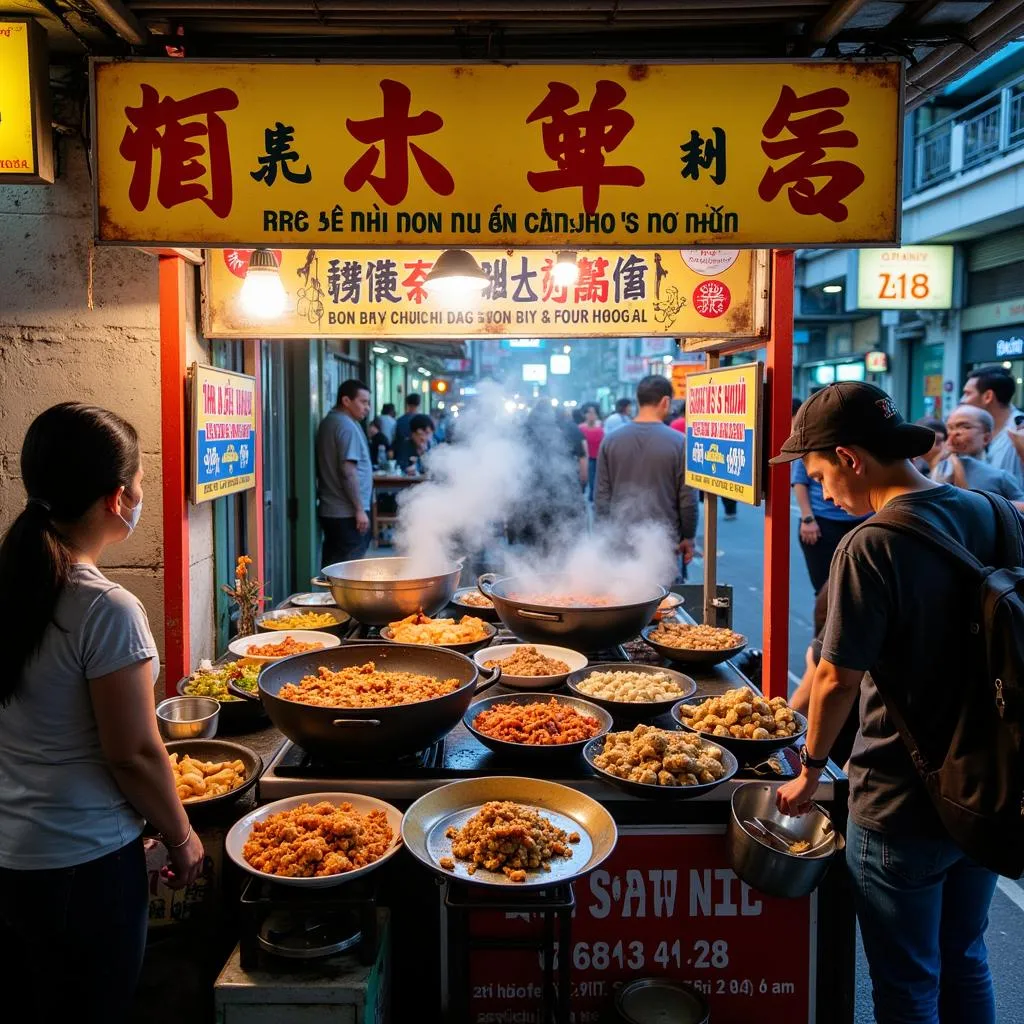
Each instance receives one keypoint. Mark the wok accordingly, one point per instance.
(377, 591)
(351, 734)
(580, 628)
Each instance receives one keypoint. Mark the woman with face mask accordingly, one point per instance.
(82, 765)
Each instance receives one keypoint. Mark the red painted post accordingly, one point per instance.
(254, 498)
(173, 421)
(777, 521)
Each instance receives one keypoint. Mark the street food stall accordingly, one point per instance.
(649, 846)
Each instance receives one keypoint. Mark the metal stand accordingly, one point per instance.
(554, 905)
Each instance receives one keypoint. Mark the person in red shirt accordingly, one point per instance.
(679, 423)
(593, 432)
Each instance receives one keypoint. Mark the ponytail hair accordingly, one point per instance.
(72, 456)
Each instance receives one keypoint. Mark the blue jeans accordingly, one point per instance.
(923, 911)
(72, 939)
(591, 478)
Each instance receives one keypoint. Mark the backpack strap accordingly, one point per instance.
(1009, 542)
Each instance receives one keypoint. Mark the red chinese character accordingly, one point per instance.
(578, 142)
(550, 290)
(414, 282)
(168, 125)
(394, 129)
(592, 285)
(809, 138)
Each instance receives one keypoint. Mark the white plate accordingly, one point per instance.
(500, 652)
(320, 600)
(240, 645)
(238, 836)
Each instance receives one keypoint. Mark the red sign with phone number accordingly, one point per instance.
(665, 904)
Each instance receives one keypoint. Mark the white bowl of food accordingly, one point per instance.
(531, 666)
(265, 648)
(258, 842)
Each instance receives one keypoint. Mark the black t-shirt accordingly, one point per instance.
(899, 610)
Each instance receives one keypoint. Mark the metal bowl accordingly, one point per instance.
(651, 1000)
(668, 607)
(219, 750)
(464, 648)
(487, 614)
(643, 789)
(686, 656)
(767, 868)
(535, 751)
(188, 718)
(748, 751)
(237, 715)
(238, 835)
(425, 823)
(376, 591)
(632, 709)
(265, 623)
(499, 652)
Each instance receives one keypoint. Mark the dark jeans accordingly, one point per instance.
(342, 541)
(729, 506)
(72, 939)
(923, 910)
(591, 478)
(819, 556)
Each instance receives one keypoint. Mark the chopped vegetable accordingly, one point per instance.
(210, 681)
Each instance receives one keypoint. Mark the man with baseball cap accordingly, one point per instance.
(895, 626)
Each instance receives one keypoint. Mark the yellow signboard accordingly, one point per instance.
(26, 145)
(505, 156)
(618, 293)
(723, 432)
(224, 425)
(912, 277)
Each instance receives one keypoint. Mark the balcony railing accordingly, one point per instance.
(988, 128)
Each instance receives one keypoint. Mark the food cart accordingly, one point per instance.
(666, 902)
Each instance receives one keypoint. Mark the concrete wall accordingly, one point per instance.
(54, 348)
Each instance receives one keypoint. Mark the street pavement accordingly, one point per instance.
(741, 564)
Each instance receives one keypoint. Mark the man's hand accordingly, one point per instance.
(794, 798)
(686, 550)
(362, 521)
(810, 533)
(959, 477)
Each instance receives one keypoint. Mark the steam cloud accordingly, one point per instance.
(496, 472)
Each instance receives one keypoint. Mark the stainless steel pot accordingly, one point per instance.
(767, 868)
(376, 591)
(580, 628)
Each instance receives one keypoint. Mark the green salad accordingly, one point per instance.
(212, 681)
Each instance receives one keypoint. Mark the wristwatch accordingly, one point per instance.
(811, 762)
(807, 519)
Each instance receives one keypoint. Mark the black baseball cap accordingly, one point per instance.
(854, 413)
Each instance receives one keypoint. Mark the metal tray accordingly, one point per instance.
(425, 823)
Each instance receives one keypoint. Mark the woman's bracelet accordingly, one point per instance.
(178, 846)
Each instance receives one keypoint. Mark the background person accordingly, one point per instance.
(402, 430)
(377, 441)
(621, 416)
(927, 462)
(408, 451)
(593, 433)
(345, 476)
(641, 470)
(992, 388)
(82, 765)
(970, 431)
(388, 422)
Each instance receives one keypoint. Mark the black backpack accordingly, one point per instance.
(978, 788)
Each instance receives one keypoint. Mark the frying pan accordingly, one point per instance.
(748, 751)
(580, 628)
(687, 655)
(349, 734)
(466, 647)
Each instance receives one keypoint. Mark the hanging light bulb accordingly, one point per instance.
(263, 296)
(456, 278)
(565, 271)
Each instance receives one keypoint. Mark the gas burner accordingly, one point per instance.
(297, 763)
(308, 935)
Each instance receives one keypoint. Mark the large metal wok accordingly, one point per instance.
(349, 734)
(377, 591)
(580, 628)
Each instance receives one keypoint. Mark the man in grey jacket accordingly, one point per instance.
(641, 470)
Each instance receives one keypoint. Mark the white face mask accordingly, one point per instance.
(133, 517)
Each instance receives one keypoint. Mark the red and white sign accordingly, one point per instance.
(711, 298)
(237, 260)
(708, 262)
(665, 904)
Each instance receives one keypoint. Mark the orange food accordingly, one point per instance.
(564, 600)
(362, 686)
(528, 661)
(536, 724)
(283, 648)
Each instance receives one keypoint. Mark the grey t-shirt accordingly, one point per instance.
(981, 476)
(59, 803)
(340, 439)
(897, 609)
(1003, 455)
(640, 475)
